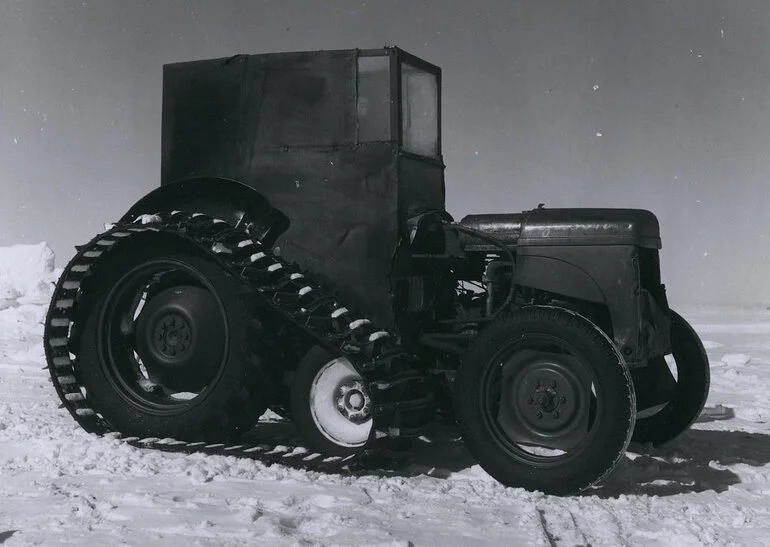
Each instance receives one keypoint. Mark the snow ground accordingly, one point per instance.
(59, 485)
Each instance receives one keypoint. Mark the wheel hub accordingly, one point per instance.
(172, 335)
(548, 401)
(353, 402)
(180, 338)
(544, 400)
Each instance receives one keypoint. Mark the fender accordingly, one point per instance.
(232, 201)
(607, 275)
(559, 276)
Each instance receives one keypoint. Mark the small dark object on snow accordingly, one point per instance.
(544, 333)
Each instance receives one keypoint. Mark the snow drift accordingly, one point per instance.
(27, 275)
(27, 279)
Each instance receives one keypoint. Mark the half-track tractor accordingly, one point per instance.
(298, 257)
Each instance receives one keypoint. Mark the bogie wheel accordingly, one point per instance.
(691, 390)
(545, 401)
(330, 404)
(164, 346)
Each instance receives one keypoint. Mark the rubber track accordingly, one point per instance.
(401, 392)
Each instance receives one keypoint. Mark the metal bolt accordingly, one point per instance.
(539, 415)
(555, 413)
(530, 400)
(553, 383)
(563, 399)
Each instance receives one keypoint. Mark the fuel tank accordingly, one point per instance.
(564, 227)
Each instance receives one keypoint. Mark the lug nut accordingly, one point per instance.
(555, 413)
(539, 415)
(553, 383)
(530, 400)
(563, 399)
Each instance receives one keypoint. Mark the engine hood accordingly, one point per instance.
(542, 226)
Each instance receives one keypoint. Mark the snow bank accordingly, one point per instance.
(27, 275)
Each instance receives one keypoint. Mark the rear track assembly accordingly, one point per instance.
(403, 400)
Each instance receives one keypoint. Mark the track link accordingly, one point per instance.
(400, 389)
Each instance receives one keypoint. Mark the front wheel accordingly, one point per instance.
(545, 401)
(690, 393)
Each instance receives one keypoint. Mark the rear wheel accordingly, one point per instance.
(330, 404)
(689, 395)
(544, 401)
(164, 345)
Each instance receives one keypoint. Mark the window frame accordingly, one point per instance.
(379, 53)
(399, 57)
(405, 58)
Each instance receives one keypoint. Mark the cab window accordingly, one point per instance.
(419, 111)
(373, 101)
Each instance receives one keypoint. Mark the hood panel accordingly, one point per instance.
(566, 227)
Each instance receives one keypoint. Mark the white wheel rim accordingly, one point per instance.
(338, 390)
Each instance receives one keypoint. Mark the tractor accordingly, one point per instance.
(297, 256)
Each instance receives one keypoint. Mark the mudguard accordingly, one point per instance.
(227, 199)
(554, 274)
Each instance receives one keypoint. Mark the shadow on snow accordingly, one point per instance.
(697, 461)
(694, 462)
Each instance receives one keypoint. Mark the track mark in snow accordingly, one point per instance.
(605, 528)
(546, 531)
(583, 521)
(368, 499)
(561, 528)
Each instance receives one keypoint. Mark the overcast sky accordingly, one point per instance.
(655, 104)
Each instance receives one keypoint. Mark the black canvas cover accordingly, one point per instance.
(286, 125)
